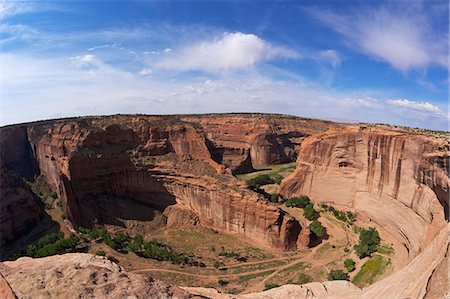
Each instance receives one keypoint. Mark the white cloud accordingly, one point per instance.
(9, 9)
(231, 51)
(145, 72)
(331, 56)
(419, 106)
(36, 88)
(402, 36)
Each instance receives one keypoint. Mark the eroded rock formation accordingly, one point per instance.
(78, 275)
(158, 161)
(397, 179)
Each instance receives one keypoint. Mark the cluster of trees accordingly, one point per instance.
(369, 240)
(51, 244)
(232, 254)
(261, 180)
(348, 216)
(121, 242)
(304, 202)
(298, 202)
(337, 274)
(318, 229)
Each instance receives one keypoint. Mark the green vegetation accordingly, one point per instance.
(100, 253)
(270, 285)
(372, 269)
(348, 216)
(337, 274)
(317, 228)
(50, 244)
(349, 264)
(254, 275)
(310, 213)
(232, 254)
(385, 249)
(369, 240)
(298, 202)
(274, 197)
(261, 180)
(303, 278)
(222, 282)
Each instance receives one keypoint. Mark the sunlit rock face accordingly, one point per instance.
(158, 161)
(399, 180)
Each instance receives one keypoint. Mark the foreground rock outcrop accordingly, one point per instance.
(78, 275)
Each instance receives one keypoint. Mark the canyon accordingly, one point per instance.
(124, 170)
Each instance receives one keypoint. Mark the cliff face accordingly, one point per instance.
(157, 162)
(399, 180)
(18, 209)
(240, 141)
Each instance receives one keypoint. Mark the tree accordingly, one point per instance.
(310, 213)
(337, 274)
(317, 228)
(259, 181)
(298, 202)
(349, 264)
(369, 240)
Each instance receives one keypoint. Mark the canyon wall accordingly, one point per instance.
(157, 162)
(399, 180)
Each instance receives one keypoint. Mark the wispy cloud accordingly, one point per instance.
(418, 106)
(230, 51)
(331, 56)
(36, 88)
(402, 36)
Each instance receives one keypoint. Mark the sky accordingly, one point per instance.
(366, 61)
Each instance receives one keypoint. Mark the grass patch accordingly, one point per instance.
(372, 269)
(274, 171)
(259, 266)
(254, 275)
(296, 267)
(323, 250)
(385, 249)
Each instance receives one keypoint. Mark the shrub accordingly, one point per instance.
(340, 215)
(304, 278)
(351, 217)
(310, 213)
(369, 240)
(217, 264)
(223, 282)
(317, 228)
(100, 253)
(337, 274)
(349, 264)
(278, 178)
(274, 197)
(270, 285)
(298, 202)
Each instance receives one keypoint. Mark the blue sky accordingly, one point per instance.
(368, 61)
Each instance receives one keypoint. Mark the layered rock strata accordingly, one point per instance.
(157, 162)
(397, 179)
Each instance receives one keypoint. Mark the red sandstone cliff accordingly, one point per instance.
(398, 179)
(159, 161)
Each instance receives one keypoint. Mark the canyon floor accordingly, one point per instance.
(263, 268)
(223, 206)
